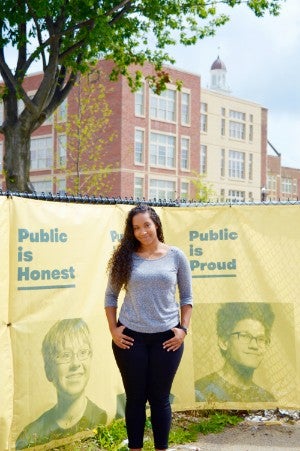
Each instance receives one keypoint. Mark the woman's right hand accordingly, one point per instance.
(121, 340)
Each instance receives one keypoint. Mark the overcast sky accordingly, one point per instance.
(262, 57)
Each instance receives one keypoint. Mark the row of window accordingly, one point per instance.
(165, 189)
(61, 111)
(46, 186)
(164, 107)
(162, 150)
(236, 128)
(236, 163)
(289, 185)
(162, 154)
(158, 189)
(41, 150)
(235, 196)
(236, 166)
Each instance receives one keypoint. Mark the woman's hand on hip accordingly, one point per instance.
(175, 342)
(120, 339)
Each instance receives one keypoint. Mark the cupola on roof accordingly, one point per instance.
(218, 64)
(218, 74)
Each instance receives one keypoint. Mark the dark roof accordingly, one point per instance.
(218, 64)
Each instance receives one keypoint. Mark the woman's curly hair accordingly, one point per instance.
(120, 264)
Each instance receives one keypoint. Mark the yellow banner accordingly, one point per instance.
(58, 276)
(240, 352)
(6, 365)
(246, 317)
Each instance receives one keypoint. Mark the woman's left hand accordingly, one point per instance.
(175, 342)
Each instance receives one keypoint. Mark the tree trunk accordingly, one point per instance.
(17, 158)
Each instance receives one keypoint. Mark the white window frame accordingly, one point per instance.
(203, 159)
(139, 101)
(139, 184)
(223, 163)
(222, 194)
(250, 166)
(203, 117)
(163, 106)
(41, 156)
(251, 132)
(139, 146)
(162, 150)
(43, 186)
(286, 185)
(236, 164)
(62, 150)
(272, 183)
(61, 185)
(237, 130)
(184, 190)
(236, 195)
(62, 111)
(223, 126)
(185, 153)
(185, 108)
(162, 189)
(239, 115)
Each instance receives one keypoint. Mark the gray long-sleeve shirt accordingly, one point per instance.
(149, 304)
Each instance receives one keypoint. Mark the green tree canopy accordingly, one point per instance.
(65, 36)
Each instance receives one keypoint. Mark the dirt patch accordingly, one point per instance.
(250, 435)
(261, 431)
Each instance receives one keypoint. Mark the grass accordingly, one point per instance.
(186, 427)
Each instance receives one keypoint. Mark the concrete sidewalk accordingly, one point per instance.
(249, 436)
(236, 448)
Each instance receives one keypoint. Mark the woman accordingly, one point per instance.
(148, 337)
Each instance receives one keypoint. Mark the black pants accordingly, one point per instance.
(147, 372)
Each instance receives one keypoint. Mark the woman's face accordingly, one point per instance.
(144, 229)
(71, 367)
(247, 343)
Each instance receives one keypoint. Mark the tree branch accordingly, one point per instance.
(126, 5)
(123, 4)
(22, 50)
(12, 84)
(59, 95)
